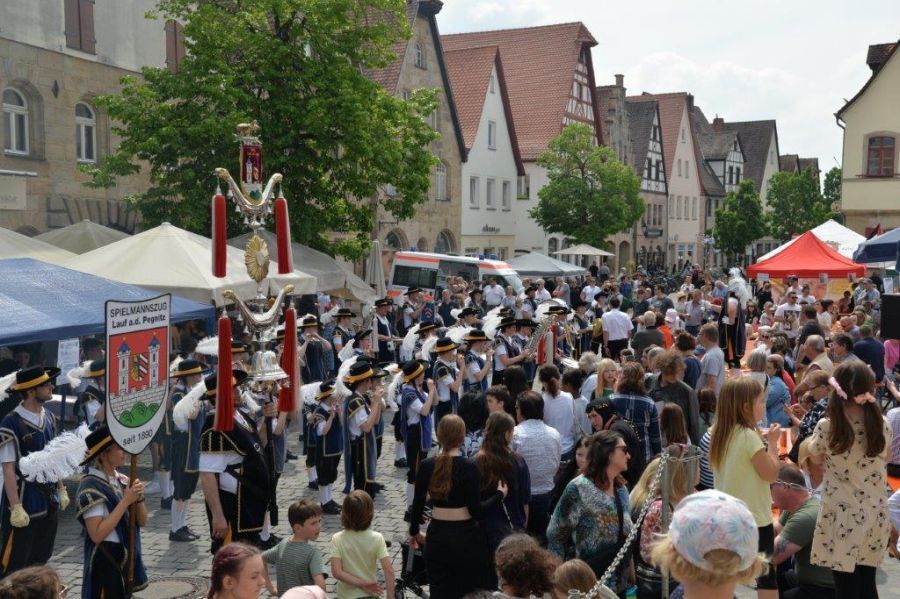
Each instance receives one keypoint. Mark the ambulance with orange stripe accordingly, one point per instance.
(430, 271)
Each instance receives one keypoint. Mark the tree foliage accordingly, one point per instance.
(795, 204)
(589, 194)
(831, 189)
(296, 67)
(740, 220)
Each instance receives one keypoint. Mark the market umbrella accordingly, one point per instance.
(16, 245)
(880, 249)
(167, 258)
(375, 269)
(539, 265)
(82, 237)
(583, 249)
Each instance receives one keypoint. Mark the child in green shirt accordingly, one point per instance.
(357, 550)
(297, 562)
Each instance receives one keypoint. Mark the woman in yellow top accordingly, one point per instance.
(743, 465)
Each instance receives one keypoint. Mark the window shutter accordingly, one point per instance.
(73, 29)
(86, 18)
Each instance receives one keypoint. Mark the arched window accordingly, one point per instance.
(444, 243)
(440, 182)
(419, 57)
(15, 122)
(85, 133)
(393, 242)
(552, 245)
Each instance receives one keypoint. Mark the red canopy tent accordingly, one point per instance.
(807, 257)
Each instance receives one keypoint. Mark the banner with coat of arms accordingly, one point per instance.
(137, 379)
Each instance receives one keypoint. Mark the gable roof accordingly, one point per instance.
(755, 139)
(640, 124)
(389, 76)
(715, 145)
(469, 71)
(789, 163)
(540, 65)
(880, 54)
(671, 110)
(811, 164)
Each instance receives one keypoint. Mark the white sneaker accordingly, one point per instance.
(152, 488)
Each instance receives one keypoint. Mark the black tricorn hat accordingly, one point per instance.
(445, 344)
(383, 301)
(187, 367)
(427, 326)
(98, 440)
(412, 369)
(95, 369)
(469, 311)
(344, 313)
(412, 290)
(361, 334)
(476, 335)
(507, 322)
(325, 389)
(31, 377)
(211, 381)
(361, 371)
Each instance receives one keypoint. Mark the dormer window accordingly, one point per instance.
(419, 57)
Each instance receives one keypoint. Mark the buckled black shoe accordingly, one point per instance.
(180, 536)
(165, 503)
(331, 508)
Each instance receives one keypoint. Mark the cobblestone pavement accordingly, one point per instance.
(182, 569)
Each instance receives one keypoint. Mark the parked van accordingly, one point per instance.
(430, 271)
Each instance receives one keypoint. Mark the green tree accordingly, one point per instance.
(740, 220)
(296, 67)
(795, 204)
(831, 191)
(589, 194)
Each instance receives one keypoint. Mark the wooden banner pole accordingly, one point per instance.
(132, 528)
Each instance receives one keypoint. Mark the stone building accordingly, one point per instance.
(55, 59)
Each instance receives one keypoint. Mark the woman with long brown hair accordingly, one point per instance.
(456, 552)
(559, 408)
(852, 441)
(497, 462)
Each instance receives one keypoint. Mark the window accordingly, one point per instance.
(80, 25)
(730, 175)
(576, 90)
(552, 245)
(419, 57)
(434, 119)
(491, 85)
(440, 182)
(654, 133)
(415, 276)
(881, 157)
(682, 135)
(507, 195)
(648, 169)
(15, 122)
(393, 242)
(174, 44)
(523, 187)
(679, 167)
(492, 135)
(473, 192)
(405, 95)
(660, 173)
(678, 205)
(671, 206)
(737, 175)
(85, 133)
(694, 208)
(490, 197)
(443, 244)
(687, 169)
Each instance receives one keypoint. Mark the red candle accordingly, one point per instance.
(219, 237)
(224, 389)
(287, 395)
(283, 237)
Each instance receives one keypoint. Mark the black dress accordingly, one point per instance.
(457, 557)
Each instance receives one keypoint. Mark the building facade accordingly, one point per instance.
(491, 172)
(436, 225)
(648, 160)
(57, 57)
(550, 78)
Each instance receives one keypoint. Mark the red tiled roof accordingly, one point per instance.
(540, 66)
(469, 71)
(389, 76)
(671, 111)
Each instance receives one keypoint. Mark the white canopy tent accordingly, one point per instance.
(539, 265)
(16, 245)
(171, 259)
(583, 249)
(832, 233)
(81, 237)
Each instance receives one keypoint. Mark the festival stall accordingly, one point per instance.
(812, 261)
(51, 302)
(882, 250)
(833, 234)
(82, 237)
(540, 265)
(167, 258)
(16, 245)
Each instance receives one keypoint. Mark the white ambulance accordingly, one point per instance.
(430, 271)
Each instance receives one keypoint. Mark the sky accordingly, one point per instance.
(794, 61)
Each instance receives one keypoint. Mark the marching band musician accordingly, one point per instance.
(548, 346)
(415, 422)
(234, 473)
(426, 330)
(477, 368)
(360, 418)
(522, 337)
(411, 310)
(362, 345)
(89, 407)
(312, 348)
(329, 432)
(448, 375)
(343, 333)
(583, 329)
(30, 510)
(185, 450)
(469, 316)
(508, 351)
(385, 330)
(105, 499)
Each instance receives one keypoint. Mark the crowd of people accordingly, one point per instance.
(736, 429)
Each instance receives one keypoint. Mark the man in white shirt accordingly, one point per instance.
(617, 328)
(589, 291)
(788, 314)
(493, 293)
(542, 294)
(540, 447)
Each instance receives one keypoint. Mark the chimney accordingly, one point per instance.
(718, 124)
(877, 54)
(620, 80)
